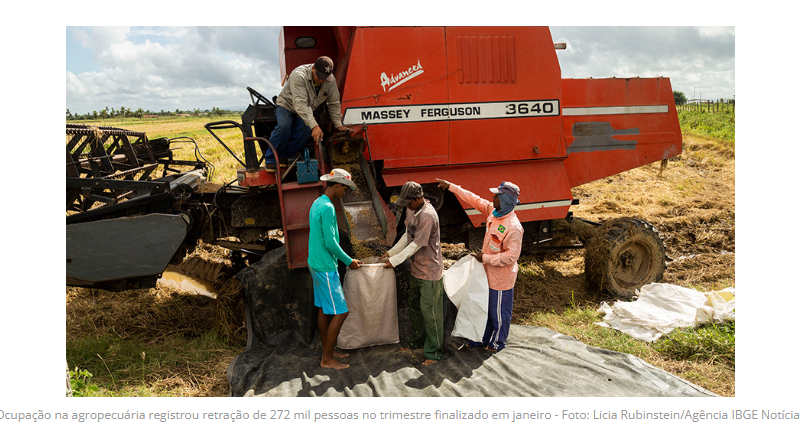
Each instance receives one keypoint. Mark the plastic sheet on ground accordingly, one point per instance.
(662, 308)
(283, 353)
(536, 362)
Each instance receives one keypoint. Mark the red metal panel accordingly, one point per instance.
(292, 56)
(297, 250)
(544, 188)
(485, 59)
(514, 65)
(401, 69)
(297, 200)
(612, 125)
(343, 36)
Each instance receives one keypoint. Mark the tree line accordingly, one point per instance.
(681, 99)
(125, 112)
(717, 105)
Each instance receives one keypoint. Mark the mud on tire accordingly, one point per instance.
(623, 255)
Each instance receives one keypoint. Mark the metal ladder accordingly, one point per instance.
(295, 199)
(295, 202)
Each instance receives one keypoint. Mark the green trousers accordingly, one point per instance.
(426, 311)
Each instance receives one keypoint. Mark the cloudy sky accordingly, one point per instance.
(168, 68)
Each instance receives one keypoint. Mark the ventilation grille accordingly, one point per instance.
(485, 59)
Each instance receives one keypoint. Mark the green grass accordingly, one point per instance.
(131, 367)
(715, 343)
(718, 125)
(579, 323)
(80, 381)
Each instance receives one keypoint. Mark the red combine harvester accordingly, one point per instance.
(473, 105)
(482, 105)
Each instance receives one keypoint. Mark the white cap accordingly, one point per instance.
(508, 188)
(339, 176)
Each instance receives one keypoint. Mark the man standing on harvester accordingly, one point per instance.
(323, 253)
(501, 249)
(307, 87)
(420, 244)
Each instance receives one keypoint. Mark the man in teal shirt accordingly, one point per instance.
(323, 253)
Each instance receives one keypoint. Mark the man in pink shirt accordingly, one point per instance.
(501, 249)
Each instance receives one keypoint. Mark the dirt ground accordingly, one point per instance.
(691, 201)
(692, 204)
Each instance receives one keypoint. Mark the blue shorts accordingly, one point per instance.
(328, 293)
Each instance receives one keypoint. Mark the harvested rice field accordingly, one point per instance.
(167, 341)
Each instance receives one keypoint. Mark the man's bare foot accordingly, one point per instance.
(333, 363)
(428, 362)
(340, 355)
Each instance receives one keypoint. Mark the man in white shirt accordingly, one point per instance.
(307, 87)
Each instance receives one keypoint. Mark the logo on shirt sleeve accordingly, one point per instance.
(501, 229)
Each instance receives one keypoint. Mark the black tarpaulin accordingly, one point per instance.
(282, 356)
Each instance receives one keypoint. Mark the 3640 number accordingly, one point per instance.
(532, 109)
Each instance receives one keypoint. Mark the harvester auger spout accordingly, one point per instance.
(367, 219)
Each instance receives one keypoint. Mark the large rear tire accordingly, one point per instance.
(623, 255)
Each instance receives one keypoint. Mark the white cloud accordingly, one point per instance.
(715, 31)
(691, 57)
(178, 66)
(166, 32)
(98, 39)
(123, 52)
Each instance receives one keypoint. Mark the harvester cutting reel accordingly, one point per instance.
(110, 170)
(128, 206)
